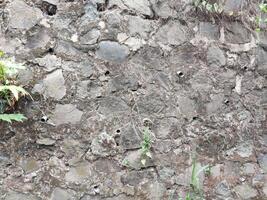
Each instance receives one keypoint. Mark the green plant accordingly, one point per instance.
(259, 19)
(205, 6)
(146, 146)
(10, 93)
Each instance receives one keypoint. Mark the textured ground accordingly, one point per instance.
(101, 70)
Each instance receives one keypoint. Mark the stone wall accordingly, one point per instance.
(100, 70)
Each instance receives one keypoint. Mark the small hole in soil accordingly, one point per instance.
(107, 73)
(49, 8)
(180, 73)
(44, 119)
(195, 118)
(51, 50)
(245, 68)
(118, 131)
(226, 102)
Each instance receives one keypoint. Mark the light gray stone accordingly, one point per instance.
(78, 173)
(45, 141)
(60, 194)
(112, 51)
(22, 16)
(49, 62)
(66, 114)
(139, 26)
(140, 6)
(19, 196)
(262, 159)
(103, 145)
(29, 164)
(52, 86)
(90, 37)
(245, 191)
(134, 160)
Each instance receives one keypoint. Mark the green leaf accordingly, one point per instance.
(143, 161)
(12, 117)
(15, 90)
(258, 30)
(11, 67)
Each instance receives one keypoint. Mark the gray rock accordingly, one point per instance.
(157, 191)
(236, 33)
(19, 196)
(86, 69)
(187, 107)
(29, 165)
(215, 104)
(264, 189)
(103, 145)
(90, 37)
(233, 6)
(263, 40)
(163, 9)
(111, 105)
(66, 51)
(223, 190)
(122, 82)
(259, 180)
(245, 191)
(78, 173)
(173, 33)
(137, 25)
(4, 159)
(215, 57)
(45, 141)
(129, 138)
(60, 194)
(150, 104)
(49, 62)
(52, 86)
(66, 114)
(209, 30)
(249, 168)
(112, 51)
(39, 41)
(141, 6)
(262, 61)
(134, 160)
(262, 159)
(23, 16)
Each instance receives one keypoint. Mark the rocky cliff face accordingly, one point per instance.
(99, 69)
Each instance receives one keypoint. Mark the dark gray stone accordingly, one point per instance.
(215, 57)
(66, 114)
(262, 61)
(209, 30)
(129, 138)
(112, 51)
(236, 33)
(223, 190)
(173, 33)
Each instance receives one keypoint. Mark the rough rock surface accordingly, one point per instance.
(101, 71)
